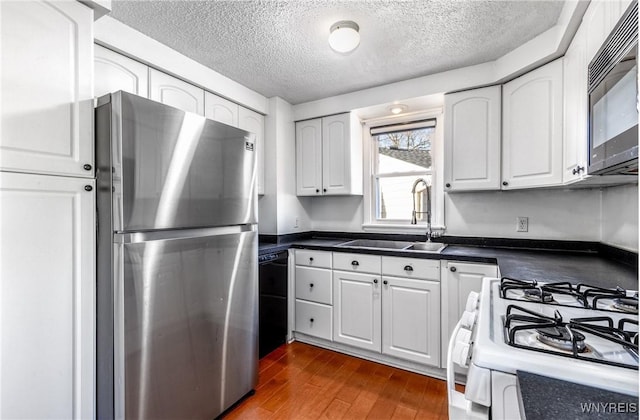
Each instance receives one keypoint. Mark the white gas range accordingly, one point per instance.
(576, 333)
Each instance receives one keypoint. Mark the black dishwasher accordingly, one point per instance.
(273, 301)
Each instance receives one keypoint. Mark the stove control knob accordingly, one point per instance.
(472, 302)
(463, 336)
(468, 319)
(461, 353)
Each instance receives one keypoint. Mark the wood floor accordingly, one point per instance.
(299, 381)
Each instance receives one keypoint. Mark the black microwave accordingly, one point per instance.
(613, 100)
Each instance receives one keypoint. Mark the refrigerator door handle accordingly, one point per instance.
(162, 235)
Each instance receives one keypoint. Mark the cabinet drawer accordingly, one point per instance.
(411, 268)
(314, 284)
(313, 258)
(314, 319)
(357, 262)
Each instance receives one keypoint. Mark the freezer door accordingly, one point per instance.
(185, 323)
(173, 169)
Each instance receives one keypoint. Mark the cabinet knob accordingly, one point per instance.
(310, 259)
(577, 170)
(447, 185)
(88, 188)
(317, 191)
(311, 319)
(324, 190)
(375, 281)
(505, 183)
(385, 282)
(408, 268)
(87, 167)
(453, 269)
(311, 285)
(355, 263)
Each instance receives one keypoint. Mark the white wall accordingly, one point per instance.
(337, 214)
(281, 211)
(620, 217)
(291, 211)
(560, 214)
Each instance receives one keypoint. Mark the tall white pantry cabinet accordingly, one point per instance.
(47, 211)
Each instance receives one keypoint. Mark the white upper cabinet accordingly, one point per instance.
(47, 297)
(254, 123)
(576, 124)
(329, 156)
(309, 157)
(472, 140)
(175, 92)
(47, 88)
(532, 129)
(220, 109)
(114, 72)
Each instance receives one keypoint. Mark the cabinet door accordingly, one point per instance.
(356, 310)
(47, 297)
(114, 72)
(309, 157)
(458, 280)
(575, 138)
(47, 88)
(175, 92)
(220, 109)
(532, 128)
(411, 319)
(336, 156)
(254, 123)
(472, 140)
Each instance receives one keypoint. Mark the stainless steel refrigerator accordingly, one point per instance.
(177, 262)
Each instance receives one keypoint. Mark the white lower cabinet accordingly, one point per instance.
(458, 279)
(411, 319)
(313, 291)
(313, 319)
(389, 306)
(357, 309)
(47, 297)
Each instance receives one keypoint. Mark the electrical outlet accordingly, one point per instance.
(296, 225)
(522, 224)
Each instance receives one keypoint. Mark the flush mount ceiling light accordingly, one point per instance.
(397, 109)
(344, 36)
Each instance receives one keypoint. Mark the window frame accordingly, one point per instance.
(371, 222)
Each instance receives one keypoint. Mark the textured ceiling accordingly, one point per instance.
(279, 48)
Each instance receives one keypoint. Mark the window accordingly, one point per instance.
(400, 155)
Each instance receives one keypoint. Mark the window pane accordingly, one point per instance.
(405, 151)
(394, 198)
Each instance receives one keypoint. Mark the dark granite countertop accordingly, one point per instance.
(542, 397)
(584, 266)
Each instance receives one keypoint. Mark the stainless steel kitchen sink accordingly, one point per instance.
(377, 244)
(434, 247)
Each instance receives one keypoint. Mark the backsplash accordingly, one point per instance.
(609, 215)
(620, 217)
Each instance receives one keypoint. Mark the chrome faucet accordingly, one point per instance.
(414, 213)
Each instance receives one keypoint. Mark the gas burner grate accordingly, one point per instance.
(581, 295)
(570, 339)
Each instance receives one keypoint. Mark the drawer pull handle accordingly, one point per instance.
(408, 268)
(385, 282)
(311, 319)
(453, 269)
(311, 285)
(375, 281)
(355, 263)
